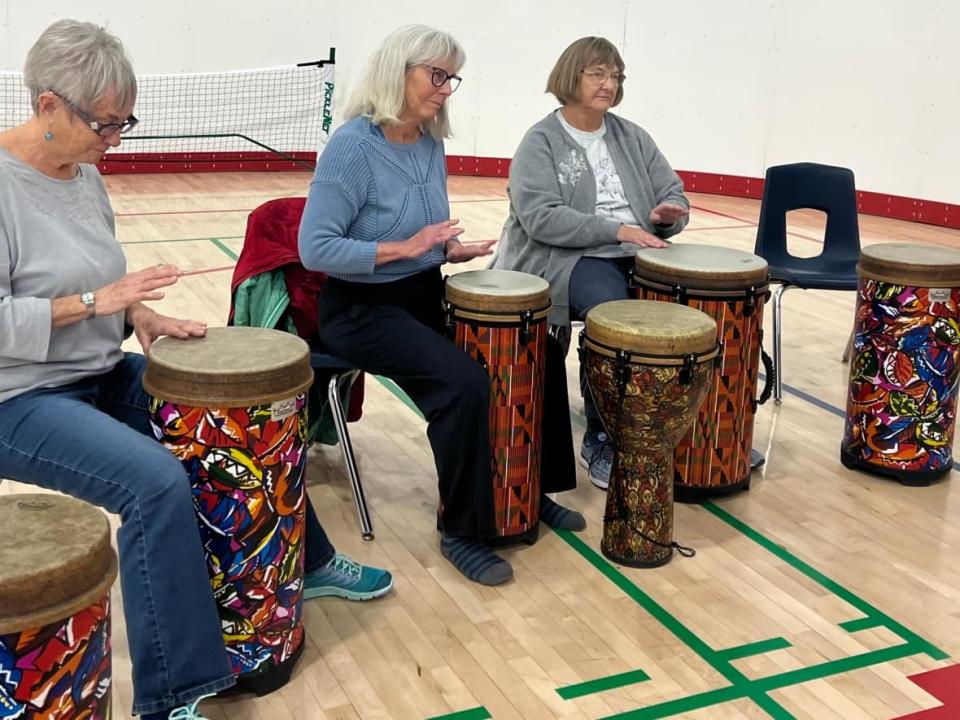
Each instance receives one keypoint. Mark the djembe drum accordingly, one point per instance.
(499, 318)
(56, 569)
(231, 406)
(901, 406)
(713, 458)
(649, 366)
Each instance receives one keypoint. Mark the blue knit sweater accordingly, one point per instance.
(367, 190)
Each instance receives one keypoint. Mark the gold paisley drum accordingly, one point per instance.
(649, 366)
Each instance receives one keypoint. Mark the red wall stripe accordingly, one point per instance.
(897, 207)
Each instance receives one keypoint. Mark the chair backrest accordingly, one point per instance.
(809, 186)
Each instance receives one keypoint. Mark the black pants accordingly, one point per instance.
(397, 330)
(594, 281)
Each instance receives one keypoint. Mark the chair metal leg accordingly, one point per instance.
(337, 382)
(777, 349)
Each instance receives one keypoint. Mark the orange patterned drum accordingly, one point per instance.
(730, 286)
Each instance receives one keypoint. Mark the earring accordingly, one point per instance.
(48, 136)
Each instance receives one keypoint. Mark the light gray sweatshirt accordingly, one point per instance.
(56, 239)
(553, 197)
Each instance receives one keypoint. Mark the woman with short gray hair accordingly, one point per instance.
(73, 413)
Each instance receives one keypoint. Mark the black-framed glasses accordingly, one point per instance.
(600, 76)
(439, 76)
(104, 130)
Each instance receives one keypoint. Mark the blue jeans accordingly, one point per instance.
(91, 439)
(593, 281)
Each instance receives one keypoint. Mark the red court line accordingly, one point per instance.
(944, 684)
(719, 227)
(744, 220)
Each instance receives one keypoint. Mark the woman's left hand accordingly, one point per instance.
(667, 213)
(457, 252)
(149, 325)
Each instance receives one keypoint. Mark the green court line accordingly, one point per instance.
(796, 563)
(741, 687)
(767, 684)
(218, 242)
(477, 713)
(395, 389)
(757, 648)
(180, 240)
(602, 685)
(867, 623)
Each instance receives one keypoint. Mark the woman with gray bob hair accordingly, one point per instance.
(381, 94)
(73, 413)
(81, 62)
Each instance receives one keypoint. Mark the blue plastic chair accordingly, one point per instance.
(807, 186)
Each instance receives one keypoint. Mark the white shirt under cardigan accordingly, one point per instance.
(56, 239)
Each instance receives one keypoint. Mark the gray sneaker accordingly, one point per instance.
(596, 454)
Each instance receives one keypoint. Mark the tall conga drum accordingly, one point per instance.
(56, 569)
(731, 286)
(232, 407)
(499, 318)
(902, 400)
(649, 366)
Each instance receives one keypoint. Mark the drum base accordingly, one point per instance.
(632, 562)
(701, 493)
(529, 537)
(912, 479)
(264, 681)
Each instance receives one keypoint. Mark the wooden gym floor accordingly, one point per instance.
(814, 596)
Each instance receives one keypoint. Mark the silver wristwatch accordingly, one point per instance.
(89, 301)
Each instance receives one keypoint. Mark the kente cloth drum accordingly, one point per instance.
(731, 286)
(902, 401)
(499, 318)
(232, 407)
(649, 366)
(56, 569)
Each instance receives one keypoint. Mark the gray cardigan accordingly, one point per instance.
(553, 197)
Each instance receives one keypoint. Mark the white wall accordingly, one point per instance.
(728, 86)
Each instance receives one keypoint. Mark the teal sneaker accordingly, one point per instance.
(342, 577)
(189, 712)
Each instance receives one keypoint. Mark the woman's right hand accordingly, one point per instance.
(430, 236)
(639, 236)
(135, 287)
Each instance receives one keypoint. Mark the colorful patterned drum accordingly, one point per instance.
(56, 569)
(901, 408)
(730, 286)
(499, 318)
(649, 366)
(231, 406)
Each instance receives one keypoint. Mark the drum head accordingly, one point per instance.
(701, 267)
(648, 326)
(55, 557)
(498, 291)
(911, 264)
(230, 367)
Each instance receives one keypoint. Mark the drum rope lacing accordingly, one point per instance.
(623, 374)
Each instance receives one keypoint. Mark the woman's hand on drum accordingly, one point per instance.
(458, 253)
(639, 236)
(149, 325)
(667, 213)
(135, 287)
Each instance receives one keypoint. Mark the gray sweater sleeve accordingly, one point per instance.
(667, 185)
(25, 322)
(539, 204)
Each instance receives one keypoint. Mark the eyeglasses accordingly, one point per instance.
(104, 130)
(600, 76)
(439, 76)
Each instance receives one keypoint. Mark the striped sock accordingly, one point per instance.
(475, 560)
(559, 517)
